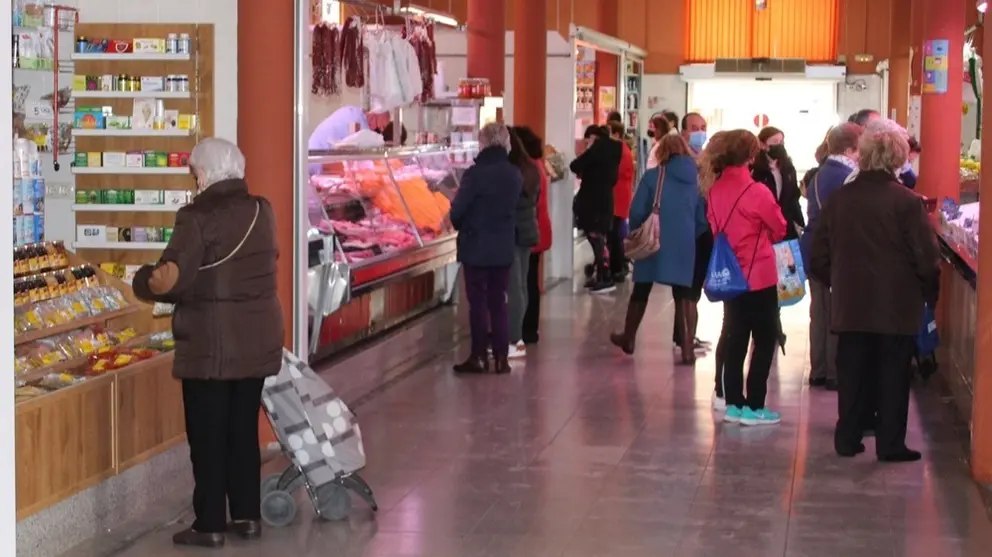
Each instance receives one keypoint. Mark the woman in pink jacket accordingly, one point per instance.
(751, 219)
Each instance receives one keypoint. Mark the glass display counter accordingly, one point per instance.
(377, 217)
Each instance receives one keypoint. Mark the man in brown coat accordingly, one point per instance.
(875, 248)
(219, 270)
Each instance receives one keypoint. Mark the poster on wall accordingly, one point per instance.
(607, 102)
(935, 66)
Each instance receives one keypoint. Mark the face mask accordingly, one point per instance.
(777, 152)
(697, 140)
(651, 134)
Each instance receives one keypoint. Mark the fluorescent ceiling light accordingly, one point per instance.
(427, 14)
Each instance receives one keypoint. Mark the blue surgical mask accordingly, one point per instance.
(697, 140)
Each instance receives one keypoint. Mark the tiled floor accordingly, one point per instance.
(583, 452)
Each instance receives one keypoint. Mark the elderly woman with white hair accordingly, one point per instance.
(484, 213)
(875, 248)
(219, 270)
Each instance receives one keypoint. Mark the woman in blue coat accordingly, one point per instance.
(682, 219)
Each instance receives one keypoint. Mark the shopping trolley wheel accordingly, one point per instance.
(278, 509)
(333, 502)
(270, 483)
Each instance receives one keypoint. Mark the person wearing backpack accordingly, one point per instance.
(667, 198)
(746, 222)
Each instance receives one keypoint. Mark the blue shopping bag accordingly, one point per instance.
(927, 340)
(791, 273)
(724, 278)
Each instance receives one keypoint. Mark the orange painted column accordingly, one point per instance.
(899, 70)
(981, 413)
(940, 133)
(486, 28)
(530, 69)
(266, 115)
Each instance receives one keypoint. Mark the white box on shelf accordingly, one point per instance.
(143, 94)
(149, 197)
(134, 160)
(176, 198)
(89, 233)
(113, 234)
(114, 159)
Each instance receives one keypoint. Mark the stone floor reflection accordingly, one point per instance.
(582, 452)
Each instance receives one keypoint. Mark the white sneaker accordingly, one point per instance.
(518, 350)
(719, 404)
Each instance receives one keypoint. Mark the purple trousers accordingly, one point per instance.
(485, 288)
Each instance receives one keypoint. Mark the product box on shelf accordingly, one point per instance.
(89, 118)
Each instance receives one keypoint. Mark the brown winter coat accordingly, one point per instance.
(875, 247)
(228, 322)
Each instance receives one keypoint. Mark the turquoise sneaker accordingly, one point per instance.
(733, 415)
(761, 416)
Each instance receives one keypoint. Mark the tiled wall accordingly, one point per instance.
(223, 14)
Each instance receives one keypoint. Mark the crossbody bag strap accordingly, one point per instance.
(657, 189)
(258, 206)
(732, 209)
(816, 188)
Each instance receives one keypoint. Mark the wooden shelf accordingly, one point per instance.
(130, 170)
(91, 208)
(131, 95)
(31, 336)
(132, 246)
(131, 57)
(130, 133)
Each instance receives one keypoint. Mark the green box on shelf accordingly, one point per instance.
(83, 197)
(110, 197)
(151, 159)
(81, 160)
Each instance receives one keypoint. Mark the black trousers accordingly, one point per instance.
(720, 355)
(641, 292)
(618, 259)
(532, 315)
(751, 315)
(873, 374)
(601, 255)
(222, 429)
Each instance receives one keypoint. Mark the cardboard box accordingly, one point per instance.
(110, 197)
(134, 159)
(113, 234)
(154, 84)
(118, 122)
(94, 159)
(176, 198)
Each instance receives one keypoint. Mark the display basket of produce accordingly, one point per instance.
(320, 437)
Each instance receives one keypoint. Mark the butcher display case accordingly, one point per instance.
(381, 246)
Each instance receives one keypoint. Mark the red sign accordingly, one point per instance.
(760, 120)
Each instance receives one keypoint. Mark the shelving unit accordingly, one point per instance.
(180, 170)
(98, 208)
(131, 133)
(133, 57)
(122, 246)
(198, 101)
(131, 94)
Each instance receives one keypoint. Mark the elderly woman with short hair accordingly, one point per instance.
(219, 270)
(484, 213)
(875, 248)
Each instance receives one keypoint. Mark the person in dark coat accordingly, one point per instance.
(527, 237)
(906, 174)
(484, 212)
(682, 219)
(875, 248)
(534, 147)
(840, 162)
(219, 270)
(775, 170)
(597, 168)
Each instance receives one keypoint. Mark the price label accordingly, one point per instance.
(40, 110)
(466, 116)
(89, 233)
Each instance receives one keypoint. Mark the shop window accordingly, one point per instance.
(804, 29)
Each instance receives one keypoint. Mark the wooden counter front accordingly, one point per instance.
(74, 438)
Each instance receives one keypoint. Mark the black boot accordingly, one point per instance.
(193, 538)
(474, 364)
(625, 341)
